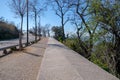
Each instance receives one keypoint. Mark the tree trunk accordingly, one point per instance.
(117, 48)
(84, 47)
(20, 34)
(35, 26)
(62, 22)
(90, 45)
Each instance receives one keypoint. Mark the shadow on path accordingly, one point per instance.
(58, 45)
(38, 47)
(33, 54)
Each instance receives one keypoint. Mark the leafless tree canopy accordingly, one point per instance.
(18, 7)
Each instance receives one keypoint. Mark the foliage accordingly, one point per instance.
(99, 20)
(108, 15)
(57, 33)
(99, 62)
(98, 55)
(8, 31)
(73, 43)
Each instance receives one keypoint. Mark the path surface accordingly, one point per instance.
(23, 65)
(62, 63)
(50, 61)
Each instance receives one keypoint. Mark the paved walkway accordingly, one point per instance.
(49, 61)
(61, 63)
(23, 65)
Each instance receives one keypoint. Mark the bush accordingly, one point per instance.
(97, 56)
(73, 44)
(99, 62)
(8, 31)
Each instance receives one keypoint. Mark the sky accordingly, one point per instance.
(49, 17)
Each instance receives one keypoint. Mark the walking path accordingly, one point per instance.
(50, 61)
(23, 65)
(62, 63)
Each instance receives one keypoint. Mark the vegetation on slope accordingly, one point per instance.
(97, 36)
(8, 31)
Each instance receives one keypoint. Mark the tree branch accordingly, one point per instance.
(81, 16)
(58, 14)
(66, 21)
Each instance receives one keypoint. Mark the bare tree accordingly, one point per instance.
(36, 9)
(61, 9)
(78, 25)
(19, 8)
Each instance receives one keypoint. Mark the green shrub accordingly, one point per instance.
(99, 62)
(97, 56)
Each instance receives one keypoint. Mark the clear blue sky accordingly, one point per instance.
(49, 17)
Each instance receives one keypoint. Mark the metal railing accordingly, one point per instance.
(14, 47)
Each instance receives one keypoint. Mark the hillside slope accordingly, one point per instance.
(8, 31)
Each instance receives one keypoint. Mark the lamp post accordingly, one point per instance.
(39, 29)
(27, 23)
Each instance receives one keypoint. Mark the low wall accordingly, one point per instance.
(62, 63)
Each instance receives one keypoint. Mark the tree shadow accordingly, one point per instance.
(58, 45)
(33, 54)
(39, 47)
